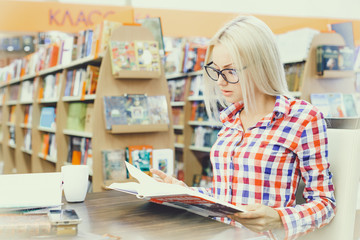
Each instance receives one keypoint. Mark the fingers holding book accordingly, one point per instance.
(163, 177)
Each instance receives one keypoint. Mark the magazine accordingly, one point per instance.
(174, 195)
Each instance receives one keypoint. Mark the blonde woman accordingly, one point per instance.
(268, 141)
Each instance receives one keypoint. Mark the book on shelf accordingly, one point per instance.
(28, 115)
(163, 159)
(80, 151)
(174, 55)
(27, 90)
(198, 111)
(113, 162)
(47, 117)
(147, 56)
(12, 135)
(114, 111)
(122, 56)
(158, 109)
(204, 136)
(51, 86)
(196, 86)
(92, 79)
(27, 140)
(174, 195)
(194, 56)
(14, 92)
(154, 25)
(76, 116)
(136, 108)
(89, 118)
(334, 105)
(294, 75)
(134, 55)
(177, 89)
(45, 144)
(140, 156)
(101, 36)
(330, 57)
(12, 114)
(178, 115)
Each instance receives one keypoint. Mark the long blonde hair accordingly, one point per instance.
(250, 43)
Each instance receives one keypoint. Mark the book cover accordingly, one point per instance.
(89, 118)
(137, 110)
(327, 58)
(76, 116)
(350, 105)
(163, 159)
(114, 111)
(141, 157)
(336, 105)
(174, 195)
(158, 110)
(45, 144)
(321, 101)
(47, 117)
(114, 168)
(122, 56)
(147, 55)
(76, 150)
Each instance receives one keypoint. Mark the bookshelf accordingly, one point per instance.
(330, 81)
(128, 82)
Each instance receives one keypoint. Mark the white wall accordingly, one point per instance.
(347, 9)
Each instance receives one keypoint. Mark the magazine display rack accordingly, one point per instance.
(16, 158)
(330, 81)
(131, 82)
(19, 160)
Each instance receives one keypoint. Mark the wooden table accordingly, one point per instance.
(125, 216)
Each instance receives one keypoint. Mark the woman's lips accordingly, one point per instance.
(226, 93)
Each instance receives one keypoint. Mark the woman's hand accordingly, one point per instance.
(258, 218)
(166, 178)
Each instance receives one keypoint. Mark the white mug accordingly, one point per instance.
(75, 178)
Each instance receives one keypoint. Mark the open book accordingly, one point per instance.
(174, 195)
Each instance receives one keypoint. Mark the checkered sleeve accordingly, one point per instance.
(313, 164)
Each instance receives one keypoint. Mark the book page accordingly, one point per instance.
(30, 190)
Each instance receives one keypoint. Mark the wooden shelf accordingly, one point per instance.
(178, 127)
(179, 145)
(26, 151)
(29, 76)
(14, 81)
(23, 125)
(13, 146)
(10, 124)
(51, 70)
(47, 158)
(54, 100)
(78, 98)
(11, 102)
(205, 123)
(327, 74)
(177, 104)
(77, 133)
(200, 149)
(121, 129)
(26, 102)
(196, 98)
(125, 74)
(45, 129)
(183, 75)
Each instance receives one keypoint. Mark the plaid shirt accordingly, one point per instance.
(264, 164)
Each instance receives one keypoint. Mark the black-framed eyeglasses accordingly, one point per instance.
(228, 74)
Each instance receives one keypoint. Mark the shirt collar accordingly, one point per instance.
(281, 108)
